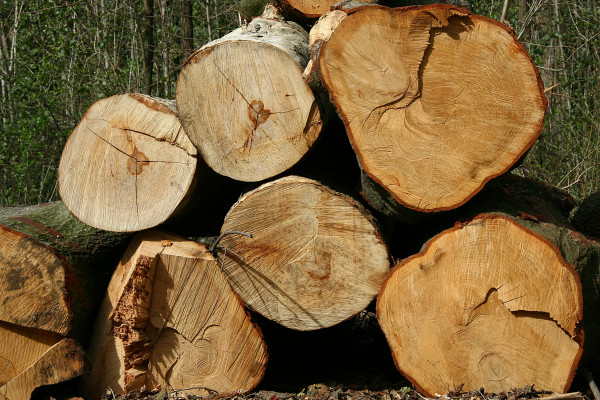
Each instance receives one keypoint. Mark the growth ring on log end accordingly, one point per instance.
(436, 101)
(244, 103)
(128, 165)
(315, 257)
(488, 304)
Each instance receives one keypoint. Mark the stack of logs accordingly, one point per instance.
(437, 106)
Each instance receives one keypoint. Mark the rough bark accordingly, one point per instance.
(315, 257)
(587, 217)
(170, 320)
(128, 165)
(436, 101)
(243, 102)
(486, 304)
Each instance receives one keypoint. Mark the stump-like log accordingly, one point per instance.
(243, 102)
(436, 100)
(128, 165)
(486, 304)
(315, 257)
(310, 9)
(170, 320)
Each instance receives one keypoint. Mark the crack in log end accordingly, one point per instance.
(257, 113)
(136, 162)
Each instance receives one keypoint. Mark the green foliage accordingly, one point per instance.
(68, 54)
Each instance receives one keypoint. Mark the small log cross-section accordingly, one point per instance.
(487, 304)
(128, 165)
(35, 317)
(243, 102)
(315, 257)
(311, 9)
(170, 321)
(436, 101)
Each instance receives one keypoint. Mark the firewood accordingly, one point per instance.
(128, 165)
(315, 257)
(243, 102)
(486, 304)
(170, 321)
(436, 100)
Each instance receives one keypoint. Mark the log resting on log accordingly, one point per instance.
(128, 165)
(35, 317)
(170, 321)
(486, 304)
(310, 9)
(436, 100)
(243, 102)
(315, 257)
(75, 262)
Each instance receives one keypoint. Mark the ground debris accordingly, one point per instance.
(324, 392)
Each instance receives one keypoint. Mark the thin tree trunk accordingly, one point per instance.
(208, 25)
(148, 44)
(186, 25)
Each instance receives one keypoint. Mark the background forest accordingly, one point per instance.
(57, 57)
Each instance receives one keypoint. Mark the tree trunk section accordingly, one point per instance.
(248, 122)
(128, 165)
(35, 316)
(486, 304)
(148, 44)
(436, 101)
(315, 257)
(170, 320)
(310, 9)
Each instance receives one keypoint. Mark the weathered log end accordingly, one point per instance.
(497, 307)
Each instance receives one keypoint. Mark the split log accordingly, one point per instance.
(315, 257)
(436, 100)
(243, 102)
(486, 304)
(128, 165)
(587, 217)
(170, 320)
(35, 317)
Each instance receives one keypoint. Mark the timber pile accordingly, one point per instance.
(436, 104)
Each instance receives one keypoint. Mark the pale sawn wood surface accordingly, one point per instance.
(486, 304)
(128, 164)
(316, 257)
(436, 101)
(243, 102)
(170, 320)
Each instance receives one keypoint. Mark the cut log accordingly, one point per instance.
(55, 269)
(59, 363)
(436, 100)
(35, 317)
(128, 165)
(170, 320)
(315, 258)
(587, 217)
(486, 304)
(248, 122)
(311, 9)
